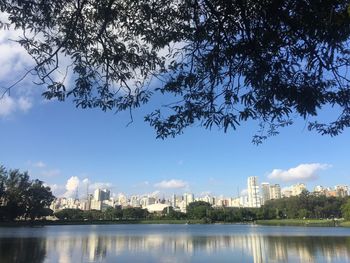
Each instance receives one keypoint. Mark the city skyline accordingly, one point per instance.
(256, 196)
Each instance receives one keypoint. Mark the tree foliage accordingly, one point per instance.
(222, 62)
(305, 205)
(111, 213)
(346, 210)
(22, 197)
(39, 198)
(199, 210)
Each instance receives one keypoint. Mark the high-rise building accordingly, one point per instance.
(297, 189)
(101, 194)
(188, 198)
(265, 192)
(174, 203)
(253, 192)
(275, 191)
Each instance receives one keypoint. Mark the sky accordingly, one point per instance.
(70, 148)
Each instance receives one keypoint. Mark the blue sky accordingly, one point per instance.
(55, 142)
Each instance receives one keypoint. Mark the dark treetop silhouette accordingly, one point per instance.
(222, 62)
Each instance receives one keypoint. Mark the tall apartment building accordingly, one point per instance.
(101, 194)
(188, 198)
(265, 192)
(275, 191)
(253, 192)
(297, 189)
(173, 201)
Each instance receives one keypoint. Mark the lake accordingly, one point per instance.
(174, 243)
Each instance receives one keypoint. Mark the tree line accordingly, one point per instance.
(21, 197)
(305, 205)
(117, 213)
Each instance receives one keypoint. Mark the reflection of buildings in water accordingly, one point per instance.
(306, 255)
(175, 247)
(96, 247)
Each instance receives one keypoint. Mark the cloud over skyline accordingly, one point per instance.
(171, 184)
(72, 186)
(75, 185)
(303, 172)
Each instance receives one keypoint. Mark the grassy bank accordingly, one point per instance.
(345, 224)
(299, 222)
(97, 222)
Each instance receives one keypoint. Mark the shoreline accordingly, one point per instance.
(304, 222)
(272, 222)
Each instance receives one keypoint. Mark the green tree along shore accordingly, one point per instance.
(22, 198)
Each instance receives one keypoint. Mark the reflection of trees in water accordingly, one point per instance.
(18, 250)
(260, 248)
(309, 248)
(181, 248)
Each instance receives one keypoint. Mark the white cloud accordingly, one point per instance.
(15, 65)
(7, 106)
(72, 186)
(24, 104)
(100, 185)
(171, 184)
(303, 172)
(39, 164)
(10, 105)
(86, 181)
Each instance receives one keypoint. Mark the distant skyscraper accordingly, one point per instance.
(275, 191)
(265, 192)
(297, 189)
(188, 198)
(253, 192)
(101, 195)
(174, 200)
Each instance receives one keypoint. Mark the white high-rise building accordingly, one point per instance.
(275, 191)
(188, 198)
(297, 189)
(253, 192)
(101, 194)
(265, 192)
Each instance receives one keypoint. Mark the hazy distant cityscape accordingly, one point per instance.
(255, 196)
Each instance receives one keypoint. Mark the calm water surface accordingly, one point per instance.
(174, 243)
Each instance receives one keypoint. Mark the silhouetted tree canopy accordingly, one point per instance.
(21, 197)
(220, 62)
